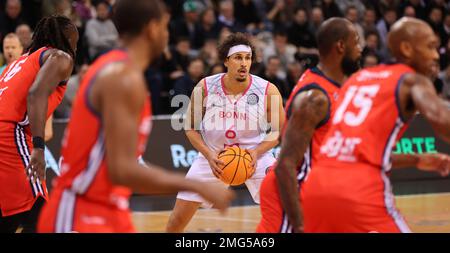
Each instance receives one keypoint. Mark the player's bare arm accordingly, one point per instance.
(418, 94)
(57, 66)
(194, 116)
(309, 108)
(433, 162)
(274, 105)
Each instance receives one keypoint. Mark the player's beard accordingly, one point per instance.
(349, 65)
(241, 80)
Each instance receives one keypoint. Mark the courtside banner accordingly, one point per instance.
(172, 150)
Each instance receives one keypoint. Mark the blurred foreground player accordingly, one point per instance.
(110, 123)
(348, 189)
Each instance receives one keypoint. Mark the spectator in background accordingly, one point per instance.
(316, 19)
(419, 7)
(369, 19)
(330, 9)
(216, 69)
(283, 50)
(208, 29)
(370, 60)
(445, 77)
(437, 82)
(295, 71)
(373, 46)
(101, 34)
(227, 18)
(409, 11)
(435, 18)
(275, 14)
(209, 53)
(12, 49)
(352, 14)
(271, 74)
(185, 84)
(345, 4)
(446, 27)
(186, 26)
(181, 53)
(246, 13)
(11, 18)
(84, 9)
(299, 33)
(25, 35)
(384, 25)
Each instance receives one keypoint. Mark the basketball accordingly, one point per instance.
(236, 168)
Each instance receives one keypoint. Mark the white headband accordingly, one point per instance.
(239, 48)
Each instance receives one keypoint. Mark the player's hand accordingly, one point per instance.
(218, 194)
(254, 154)
(438, 162)
(215, 164)
(36, 168)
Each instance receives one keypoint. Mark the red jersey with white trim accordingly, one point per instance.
(347, 189)
(367, 123)
(84, 171)
(273, 218)
(314, 79)
(18, 194)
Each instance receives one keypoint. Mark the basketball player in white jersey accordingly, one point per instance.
(232, 108)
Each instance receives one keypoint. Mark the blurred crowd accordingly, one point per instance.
(282, 31)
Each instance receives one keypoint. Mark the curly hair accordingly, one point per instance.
(234, 40)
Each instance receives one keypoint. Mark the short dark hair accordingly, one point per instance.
(131, 16)
(234, 40)
(330, 32)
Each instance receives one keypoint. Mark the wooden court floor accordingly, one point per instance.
(425, 213)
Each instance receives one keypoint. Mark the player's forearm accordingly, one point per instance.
(265, 146)
(196, 140)
(151, 179)
(400, 161)
(37, 113)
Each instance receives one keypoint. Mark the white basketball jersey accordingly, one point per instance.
(234, 121)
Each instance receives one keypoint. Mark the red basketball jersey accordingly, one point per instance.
(18, 194)
(84, 171)
(314, 79)
(367, 121)
(348, 189)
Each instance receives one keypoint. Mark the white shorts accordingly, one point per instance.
(201, 171)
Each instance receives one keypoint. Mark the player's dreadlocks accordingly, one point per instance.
(50, 31)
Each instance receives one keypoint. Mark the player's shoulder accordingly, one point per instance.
(121, 77)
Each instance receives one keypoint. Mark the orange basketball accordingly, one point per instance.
(236, 169)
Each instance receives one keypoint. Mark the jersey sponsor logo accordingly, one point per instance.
(252, 99)
(341, 147)
(233, 115)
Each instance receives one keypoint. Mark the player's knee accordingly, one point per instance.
(175, 224)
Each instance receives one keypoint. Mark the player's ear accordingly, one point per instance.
(151, 30)
(226, 62)
(340, 45)
(406, 49)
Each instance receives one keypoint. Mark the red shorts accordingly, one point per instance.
(273, 218)
(67, 212)
(356, 200)
(17, 193)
